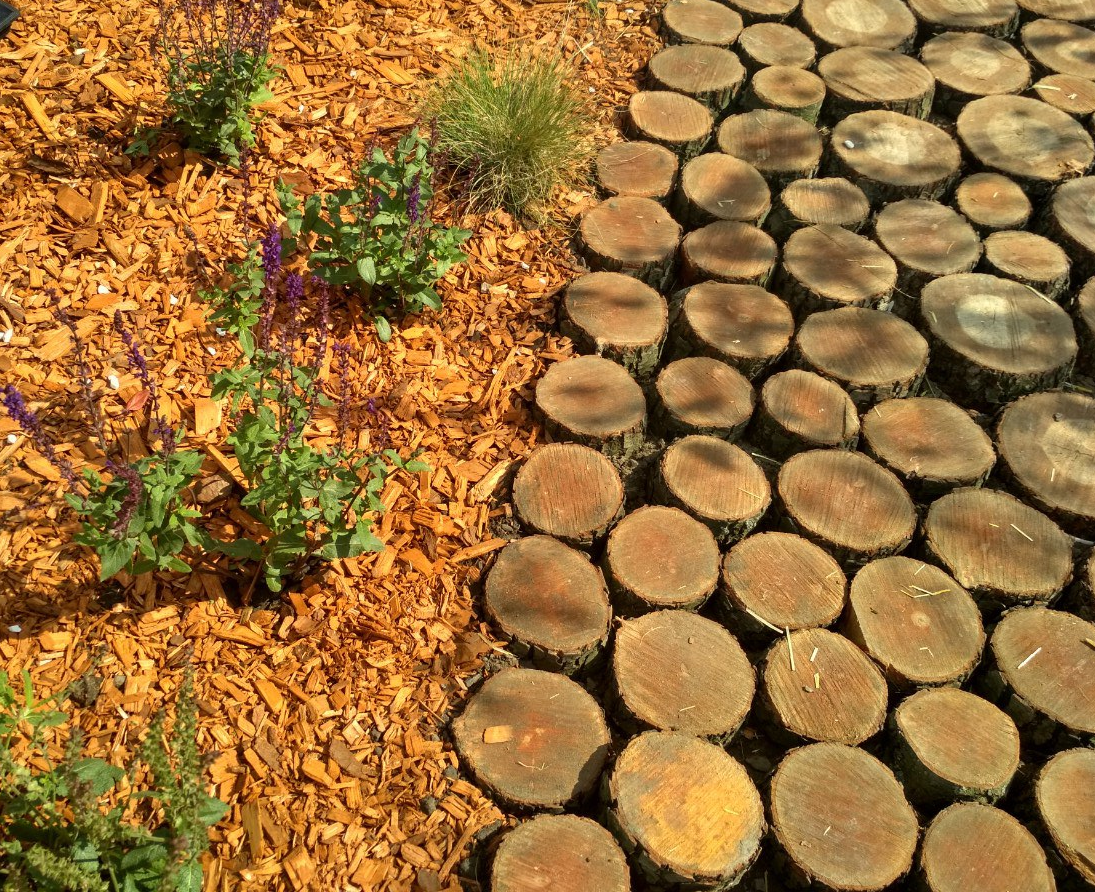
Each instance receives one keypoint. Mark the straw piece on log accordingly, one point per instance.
(829, 201)
(595, 402)
(568, 491)
(916, 622)
(676, 671)
(997, 18)
(618, 317)
(1070, 222)
(768, 43)
(532, 739)
(861, 78)
(825, 267)
(891, 156)
(1047, 450)
(991, 202)
(968, 66)
(931, 444)
(1083, 312)
(1066, 10)
(970, 845)
(1001, 551)
(635, 236)
(1060, 47)
(836, 24)
(755, 11)
(700, 395)
(726, 251)
(798, 411)
(873, 355)
(549, 602)
(711, 75)
(1073, 95)
(1028, 259)
(717, 187)
(993, 339)
(659, 558)
(716, 483)
(951, 745)
(670, 119)
(782, 147)
(787, 89)
(718, 817)
(842, 819)
(642, 169)
(700, 21)
(1065, 797)
(579, 854)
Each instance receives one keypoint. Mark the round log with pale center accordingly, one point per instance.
(782, 147)
(915, 621)
(715, 482)
(673, 120)
(787, 89)
(1073, 95)
(685, 811)
(641, 169)
(834, 24)
(700, 21)
(931, 444)
(564, 852)
(717, 187)
(532, 739)
(700, 395)
(1070, 221)
(635, 236)
(1065, 10)
(993, 339)
(829, 201)
(676, 671)
(1060, 47)
(851, 506)
(549, 602)
(873, 355)
(768, 43)
(711, 75)
(1001, 551)
(991, 202)
(1083, 314)
(618, 317)
(1065, 797)
(997, 18)
(825, 267)
(1028, 259)
(755, 11)
(967, 66)
(800, 410)
(728, 251)
(658, 558)
(891, 156)
(862, 78)
(841, 819)
(568, 491)
(948, 744)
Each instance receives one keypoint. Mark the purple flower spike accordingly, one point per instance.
(341, 352)
(139, 364)
(32, 427)
(414, 200)
(134, 491)
(294, 296)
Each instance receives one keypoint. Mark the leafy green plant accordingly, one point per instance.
(236, 306)
(515, 127)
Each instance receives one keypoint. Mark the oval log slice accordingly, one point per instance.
(787, 89)
(1060, 47)
(825, 267)
(635, 236)
(1065, 797)
(711, 75)
(997, 18)
(756, 11)
(1070, 221)
(1028, 259)
(641, 169)
(835, 24)
(830, 201)
(576, 853)
(991, 202)
(969, 66)
(1074, 96)
(1083, 312)
(782, 147)
(862, 78)
(726, 251)
(673, 120)
(1066, 10)
(700, 21)
(717, 187)
(799, 410)
(700, 395)
(768, 43)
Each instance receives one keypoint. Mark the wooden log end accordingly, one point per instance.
(991, 202)
(782, 147)
(711, 75)
(882, 24)
(1065, 798)
(800, 410)
(727, 251)
(700, 21)
(641, 169)
(699, 395)
(577, 853)
(673, 120)
(861, 78)
(718, 187)
(1029, 259)
(765, 44)
(636, 236)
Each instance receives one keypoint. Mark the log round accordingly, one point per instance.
(1065, 797)
(717, 187)
(1028, 259)
(1060, 47)
(931, 444)
(755, 11)
(568, 491)
(673, 120)
(631, 235)
(862, 78)
(768, 43)
(1071, 223)
(993, 339)
(885, 24)
(685, 811)
(711, 75)
(830, 201)
(799, 410)
(715, 482)
(950, 745)
(576, 853)
(854, 508)
(787, 89)
(991, 202)
(842, 819)
(1073, 95)
(997, 18)
(641, 169)
(700, 21)
(532, 739)
(727, 251)
(916, 622)
(968, 66)
(782, 147)
(549, 602)
(1001, 551)
(1066, 10)
(1084, 315)
(658, 558)
(700, 395)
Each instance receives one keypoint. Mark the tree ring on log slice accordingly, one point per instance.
(799, 410)
(1065, 798)
(641, 169)
(841, 818)
(825, 267)
(595, 402)
(993, 339)
(717, 187)
(997, 18)
(787, 89)
(891, 156)
(1071, 222)
(782, 147)
(700, 395)
(873, 355)
(1028, 259)
(949, 744)
(709, 74)
(715, 482)
(927, 239)
(1084, 314)
(774, 581)
(755, 11)
(1026, 139)
(532, 739)
(968, 66)
(1073, 95)
(685, 811)
(848, 504)
(549, 602)
(861, 78)
(991, 202)
(578, 854)
(998, 549)
(817, 685)
(974, 846)
(767, 43)
(631, 235)
(916, 622)
(931, 444)
(727, 251)
(836, 24)
(659, 557)
(1066, 10)
(700, 21)
(1060, 47)
(673, 120)
(568, 491)
(830, 201)
(618, 317)
(742, 325)
(676, 671)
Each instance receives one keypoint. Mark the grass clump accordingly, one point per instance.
(515, 127)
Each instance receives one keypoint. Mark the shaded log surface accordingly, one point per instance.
(564, 852)
(969, 66)
(782, 147)
(1084, 314)
(768, 43)
(700, 21)
(1060, 47)
(709, 74)
(800, 410)
(1065, 798)
(1073, 95)
(825, 267)
(997, 18)
(1028, 259)
(669, 119)
(842, 818)
(728, 251)
(886, 24)
(755, 11)
(862, 78)
(1066, 10)
(635, 236)
(642, 169)
(787, 89)
(717, 187)
(830, 201)
(991, 202)
(1071, 223)
(700, 395)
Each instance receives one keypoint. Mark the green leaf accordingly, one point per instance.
(211, 810)
(383, 328)
(189, 876)
(241, 549)
(366, 269)
(101, 775)
(114, 555)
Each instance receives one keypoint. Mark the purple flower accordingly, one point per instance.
(414, 200)
(139, 364)
(134, 490)
(294, 295)
(271, 267)
(32, 427)
(91, 405)
(279, 447)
